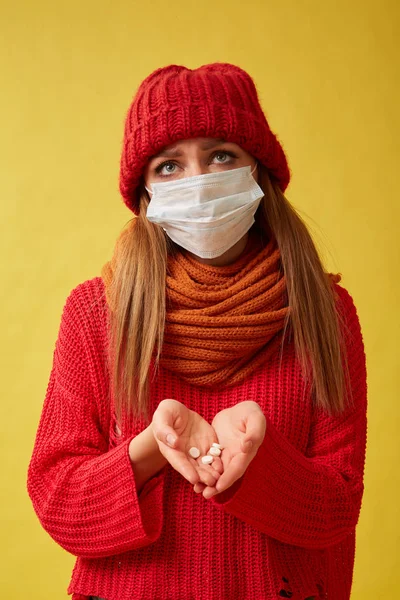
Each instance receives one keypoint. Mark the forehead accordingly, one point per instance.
(202, 143)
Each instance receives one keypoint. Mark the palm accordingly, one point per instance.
(230, 430)
(191, 430)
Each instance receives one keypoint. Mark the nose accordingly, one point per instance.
(196, 168)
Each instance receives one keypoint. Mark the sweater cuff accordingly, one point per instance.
(273, 465)
(276, 465)
(111, 516)
(144, 510)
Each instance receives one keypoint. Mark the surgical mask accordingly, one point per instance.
(206, 214)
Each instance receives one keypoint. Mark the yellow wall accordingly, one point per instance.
(326, 73)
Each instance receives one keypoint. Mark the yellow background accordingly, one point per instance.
(327, 74)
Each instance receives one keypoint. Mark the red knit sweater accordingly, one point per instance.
(286, 529)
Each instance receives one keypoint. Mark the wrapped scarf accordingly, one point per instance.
(221, 322)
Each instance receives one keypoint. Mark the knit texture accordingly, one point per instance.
(285, 529)
(174, 103)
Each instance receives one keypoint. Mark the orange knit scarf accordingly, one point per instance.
(221, 322)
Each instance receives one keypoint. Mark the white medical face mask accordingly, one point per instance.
(206, 214)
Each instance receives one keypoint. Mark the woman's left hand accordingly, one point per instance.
(240, 431)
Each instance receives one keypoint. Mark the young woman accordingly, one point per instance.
(204, 429)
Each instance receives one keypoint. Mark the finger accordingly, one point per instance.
(199, 487)
(235, 469)
(246, 445)
(215, 469)
(180, 463)
(255, 431)
(164, 432)
(217, 465)
(163, 422)
(209, 492)
(206, 476)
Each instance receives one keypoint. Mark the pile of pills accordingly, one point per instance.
(215, 450)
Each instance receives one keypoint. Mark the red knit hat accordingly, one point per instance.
(176, 103)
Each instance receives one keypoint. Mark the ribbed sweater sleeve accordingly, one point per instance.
(83, 493)
(311, 500)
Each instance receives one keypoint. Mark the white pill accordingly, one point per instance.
(216, 445)
(214, 451)
(194, 452)
(207, 460)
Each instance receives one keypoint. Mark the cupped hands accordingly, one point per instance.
(239, 429)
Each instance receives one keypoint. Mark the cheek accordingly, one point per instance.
(145, 180)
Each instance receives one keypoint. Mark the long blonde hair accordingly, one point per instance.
(139, 283)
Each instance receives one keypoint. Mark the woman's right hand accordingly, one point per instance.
(176, 429)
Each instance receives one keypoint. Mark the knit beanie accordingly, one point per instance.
(174, 103)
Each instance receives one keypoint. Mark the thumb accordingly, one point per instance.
(162, 427)
(255, 431)
(247, 445)
(166, 434)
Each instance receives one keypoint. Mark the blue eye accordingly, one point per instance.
(164, 164)
(226, 155)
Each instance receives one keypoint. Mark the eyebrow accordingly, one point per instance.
(174, 152)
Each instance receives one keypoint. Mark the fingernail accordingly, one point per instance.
(171, 439)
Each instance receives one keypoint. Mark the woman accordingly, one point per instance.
(213, 332)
